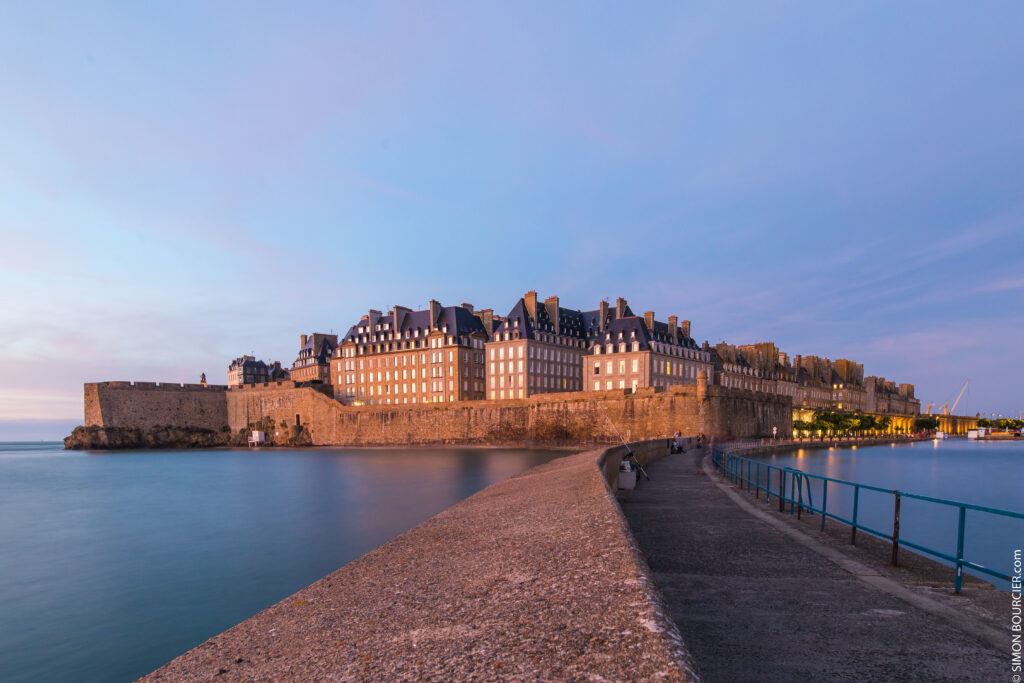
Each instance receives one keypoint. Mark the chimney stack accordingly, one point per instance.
(551, 304)
(602, 316)
(398, 314)
(435, 312)
(649, 319)
(531, 303)
(468, 307)
(620, 308)
(302, 341)
(374, 319)
(486, 319)
(673, 324)
(686, 329)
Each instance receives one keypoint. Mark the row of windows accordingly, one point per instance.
(665, 349)
(559, 339)
(536, 382)
(539, 352)
(404, 360)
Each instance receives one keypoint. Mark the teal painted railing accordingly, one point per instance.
(757, 476)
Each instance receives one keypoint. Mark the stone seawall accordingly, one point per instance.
(567, 419)
(550, 419)
(534, 578)
(145, 405)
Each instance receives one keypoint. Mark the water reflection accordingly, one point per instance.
(114, 563)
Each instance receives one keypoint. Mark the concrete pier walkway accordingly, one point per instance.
(753, 605)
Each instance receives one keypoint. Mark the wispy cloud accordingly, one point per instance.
(1002, 285)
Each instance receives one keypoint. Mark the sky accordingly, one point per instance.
(183, 183)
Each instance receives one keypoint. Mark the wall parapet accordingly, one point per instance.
(163, 386)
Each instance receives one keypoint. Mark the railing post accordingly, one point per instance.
(896, 528)
(824, 502)
(800, 494)
(782, 490)
(757, 489)
(792, 492)
(748, 476)
(958, 582)
(853, 527)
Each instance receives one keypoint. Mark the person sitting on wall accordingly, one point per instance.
(677, 442)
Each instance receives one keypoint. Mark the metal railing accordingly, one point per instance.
(757, 476)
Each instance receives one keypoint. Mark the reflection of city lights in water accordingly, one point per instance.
(935, 443)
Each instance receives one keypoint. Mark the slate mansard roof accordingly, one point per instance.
(634, 329)
(458, 320)
(571, 323)
(310, 353)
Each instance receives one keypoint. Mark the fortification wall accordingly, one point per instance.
(552, 419)
(148, 404)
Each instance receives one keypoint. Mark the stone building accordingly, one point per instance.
(629, 352)
(883, 396)
(313, 363)
(407, 356)
(536, 349)
(773, 367)
(248, 370)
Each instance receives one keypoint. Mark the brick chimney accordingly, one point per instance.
(302, 341)
(486, 319)
(649, 319)
(398, 314)
(435, 312)
(374, 319)
(673, 324)
(686, 329)
(531, 303)
(602, 317)
(468, 307)
(551, 304)
(620, 308)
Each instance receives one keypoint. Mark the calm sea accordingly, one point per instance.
(987, 473)
(113, 563)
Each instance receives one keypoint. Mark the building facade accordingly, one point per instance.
(630, 352)
(313, 363)
(536, 349)
(248, 370)
(429, 356)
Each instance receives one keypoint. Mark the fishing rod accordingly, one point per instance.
(632, 458)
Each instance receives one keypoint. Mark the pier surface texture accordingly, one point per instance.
(534, 578)
(753, 605)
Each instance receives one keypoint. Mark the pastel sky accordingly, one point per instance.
(182, 183)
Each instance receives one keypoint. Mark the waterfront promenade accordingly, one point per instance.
(753, 603)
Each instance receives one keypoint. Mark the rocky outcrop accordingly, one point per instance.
(112, 438)
(108, 438)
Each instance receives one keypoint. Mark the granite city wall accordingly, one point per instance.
(150, 404)
(551, 419)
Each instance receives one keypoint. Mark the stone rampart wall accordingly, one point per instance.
(148, 404)
(553, 419)
(546, 420)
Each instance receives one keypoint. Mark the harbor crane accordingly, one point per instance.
(958, 397)
(928, 410)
